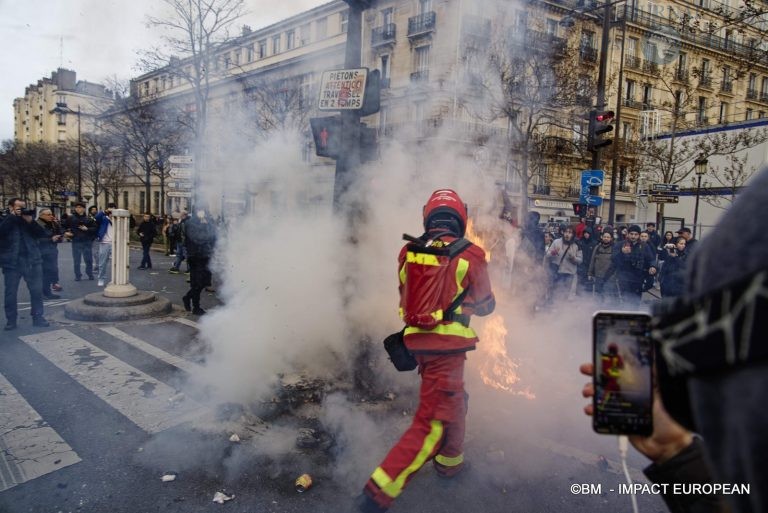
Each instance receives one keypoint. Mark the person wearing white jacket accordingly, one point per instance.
(563, 257)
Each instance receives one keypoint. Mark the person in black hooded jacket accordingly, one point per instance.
(199, 235)
(587, 243)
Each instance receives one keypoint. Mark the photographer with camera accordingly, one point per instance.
(81, 229)
(20, 258)
(49, 252)
(672, 276)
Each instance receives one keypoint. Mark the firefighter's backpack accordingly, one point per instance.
(427, 299)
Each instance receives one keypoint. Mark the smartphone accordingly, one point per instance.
(623, 376)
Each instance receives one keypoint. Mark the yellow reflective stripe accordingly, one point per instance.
(454, 328)
(422, 258)
(402, 274)
(448, 461)
(394, 488)
(461, 272)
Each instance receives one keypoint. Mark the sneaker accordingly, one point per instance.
(40, 322)
(187, 303)
(173, 270)
(10, 326)
(56, 287)
(198, 311)
(51, 296)
(100, 283)
(186, 272)
(141, 268)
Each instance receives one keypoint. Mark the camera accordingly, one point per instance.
(669, 246)
(28, 212)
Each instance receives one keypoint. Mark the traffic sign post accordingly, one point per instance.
(591, 182)
(665, 187)
(661, 198)
(343, 89)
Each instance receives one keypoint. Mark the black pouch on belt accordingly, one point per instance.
(401, 358)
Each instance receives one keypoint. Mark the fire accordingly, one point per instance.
(497, 369)
(477, 238)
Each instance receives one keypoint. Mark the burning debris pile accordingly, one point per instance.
(497, 369)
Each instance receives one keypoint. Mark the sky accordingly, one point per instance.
(96, 38)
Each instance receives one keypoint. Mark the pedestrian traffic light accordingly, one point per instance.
(579, 209)
(599, 123)
(326, 132)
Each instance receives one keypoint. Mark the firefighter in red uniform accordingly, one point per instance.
(611, 364)
(437, 431)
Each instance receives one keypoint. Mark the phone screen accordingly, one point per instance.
(623, 375)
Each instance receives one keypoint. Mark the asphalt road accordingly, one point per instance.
(90, 420)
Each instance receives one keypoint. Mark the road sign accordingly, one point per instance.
(591, 181)
(180, 174)
(343, 89)
(658, 198)
(665, 187)
(179, 184)
(179, 194)
(180, 159)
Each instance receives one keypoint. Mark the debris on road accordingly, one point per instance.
(222, 497)
(169, 476)
(234, 438)
(176, 398)
(308, 438)
(303, 483)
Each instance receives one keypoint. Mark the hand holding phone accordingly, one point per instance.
(623, 373)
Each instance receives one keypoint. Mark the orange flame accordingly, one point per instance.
(477, 238)
(497, 369)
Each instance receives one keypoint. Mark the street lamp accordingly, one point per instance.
(700, 167)
(63, 109)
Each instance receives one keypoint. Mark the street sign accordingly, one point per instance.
(179, 194)
(665, 187)
(179, 184)
(591, 181)
(343, 89)
(658, 198)
(180, 174)
(181, 159)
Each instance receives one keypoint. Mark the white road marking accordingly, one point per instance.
(49, 303)
(29, 447)
(188, 322)
(172, 359)
(144, 400)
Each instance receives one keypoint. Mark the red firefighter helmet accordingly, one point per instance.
(444, 209)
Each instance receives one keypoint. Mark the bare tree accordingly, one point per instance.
(194, 33)
(281, 104)
(727, 181)
(97, 150)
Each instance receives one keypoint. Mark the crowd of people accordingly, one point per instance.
(616, 265)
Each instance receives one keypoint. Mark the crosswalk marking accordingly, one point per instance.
(141, 398)
(29, 448)
(155, 351)
(187, 322)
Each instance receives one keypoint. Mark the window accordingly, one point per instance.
(760, 114)
(304, 34)
(383, 118)
(290, 40)
(750, 115)
(125, 200)
(648, 96)
(322, 28)
(164, 83)
(275, 44)
(387, 16)
(551, 27)
(262, 48)
(145, 88)
(344, 21)
(587, 39)
(156, 201)
(764, 88)
(752, 84)
(236, 57)
(631, 47)
(622, 182)
(425, 6)
(723, 117)
(249, 53)
(626, 130)
(385, 62)
(682, 63)
(61, 117)
(726, 85)
(630, 90)
(142, 201)
(61, 99)
(701, 113)
(704, 69)
(678, 101)
(421, 63)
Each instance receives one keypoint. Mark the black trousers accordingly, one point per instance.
(33, 275)
(146, 260)
(199, 278)
(50, 268)
(82, 249)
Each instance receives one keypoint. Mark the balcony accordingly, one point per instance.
(751, 94)
(420, 76)
(383, 35)
(632, 62)
(726, 87)
(421, 24)
(623, 188)
(648, 106)
(650, 67)
(541, 189)
(702, 120)
(764, 96)
(705, 81)
(573, 192)
(633, 104)
(681, 75)
(588, 54)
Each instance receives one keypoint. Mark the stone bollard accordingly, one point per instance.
(120, 286)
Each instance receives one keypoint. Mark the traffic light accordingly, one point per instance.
(599, 123)
(579, 209)
(326, 132)
(372, 101)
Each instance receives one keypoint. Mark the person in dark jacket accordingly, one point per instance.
(199, 235)
(147, 231)
(633, 262)
(672, 276)
(601, 269)
(49, 251)
(20, 258)
(587, 243)
(81, 228)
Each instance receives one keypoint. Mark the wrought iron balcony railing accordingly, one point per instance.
(383, 35)
(420, 76)
(422, 23)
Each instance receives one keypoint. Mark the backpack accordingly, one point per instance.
(427, 299)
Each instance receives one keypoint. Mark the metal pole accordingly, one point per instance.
(349, 158)
(79, 160)
(696, 209)
(601, 74)
(615, 163)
